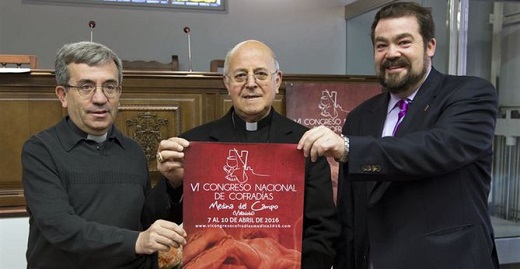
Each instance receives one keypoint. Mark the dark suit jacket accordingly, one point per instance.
(320, 225)
(419, 199)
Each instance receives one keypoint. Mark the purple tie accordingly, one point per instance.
(403, 106)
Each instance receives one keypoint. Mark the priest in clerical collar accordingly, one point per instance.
(252, 77)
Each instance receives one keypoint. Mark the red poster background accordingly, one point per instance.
(246, 194)
(315, 104)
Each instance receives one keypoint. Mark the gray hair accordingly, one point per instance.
(84, 52)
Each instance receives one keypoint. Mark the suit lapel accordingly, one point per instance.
(374, 119)
(421, 103)
(416, 113)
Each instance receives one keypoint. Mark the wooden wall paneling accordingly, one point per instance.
(29, 105)
(154, 105)
(151, 119)
(26, 116)
(164, 84)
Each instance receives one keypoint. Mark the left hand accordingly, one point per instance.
(162, 235)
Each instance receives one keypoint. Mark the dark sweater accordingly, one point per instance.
(84, 199)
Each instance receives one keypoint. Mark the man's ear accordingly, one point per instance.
(61, 92)
(226, 83)
(278, 80)
(430, 47)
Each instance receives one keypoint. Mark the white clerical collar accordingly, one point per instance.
(97, 138)
(252, 126)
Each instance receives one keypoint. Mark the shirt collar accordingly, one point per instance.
(70, 135)
(238, 122)
(394, 98)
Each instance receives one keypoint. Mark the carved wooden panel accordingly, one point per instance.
(150, 120)
(149, 124)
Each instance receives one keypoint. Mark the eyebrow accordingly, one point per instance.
(85, 81)
(398, 37)
(254, 70)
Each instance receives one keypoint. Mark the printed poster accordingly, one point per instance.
(315, 104)
(326, 103)
(243, 205)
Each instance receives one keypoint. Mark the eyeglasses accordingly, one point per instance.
(110, 90)
(260, 76)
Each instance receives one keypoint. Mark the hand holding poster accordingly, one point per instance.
(327, 104)
(243, 205)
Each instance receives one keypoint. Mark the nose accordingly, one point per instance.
(251, 80)
(393, 52)
(99, 96)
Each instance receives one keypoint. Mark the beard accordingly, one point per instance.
(397, 83)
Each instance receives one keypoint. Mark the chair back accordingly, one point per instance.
(215, 65)
(11, 60)
(152, 65)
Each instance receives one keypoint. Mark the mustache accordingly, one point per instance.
(403, 62)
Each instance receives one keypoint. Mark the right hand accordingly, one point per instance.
(173, 155)
(321, 141)
(162, 235)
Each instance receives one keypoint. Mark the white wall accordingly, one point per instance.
(13, 242)
(308, 36)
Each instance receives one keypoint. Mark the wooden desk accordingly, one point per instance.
(154, 105)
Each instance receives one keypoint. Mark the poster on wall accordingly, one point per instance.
(243, 205)
(315, 104)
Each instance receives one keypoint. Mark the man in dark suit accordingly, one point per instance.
(413, 189)
(252, 77)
